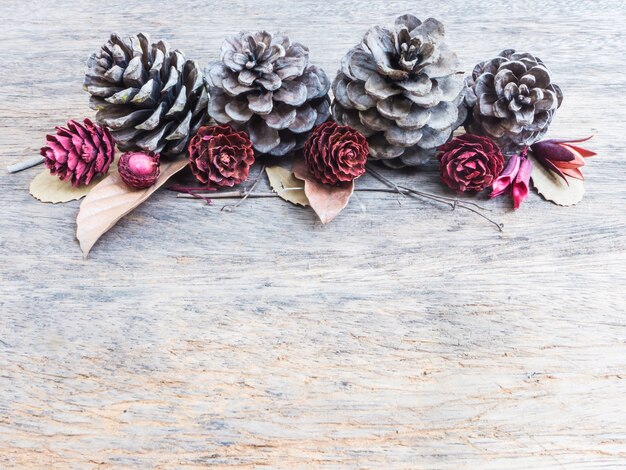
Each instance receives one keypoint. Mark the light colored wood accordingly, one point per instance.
(399, 336)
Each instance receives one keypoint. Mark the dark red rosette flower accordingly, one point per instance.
(140, 169)
(336, 154)
(220, 155)
(470, 162)
(79, 152)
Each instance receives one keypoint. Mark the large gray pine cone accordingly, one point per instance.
(402, 89)
(512, 100)
(264, 85)
(150, 97)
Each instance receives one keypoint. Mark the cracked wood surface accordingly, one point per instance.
(399, 336)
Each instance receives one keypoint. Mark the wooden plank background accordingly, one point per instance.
(399, 336)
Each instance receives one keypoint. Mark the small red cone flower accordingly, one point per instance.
(336, 154)
(140, 169)
(79, 152)
(561, 157)
(220, 155)
(470, 163)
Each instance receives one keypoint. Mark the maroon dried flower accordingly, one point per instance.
(470, 162)
(336, 154)
(220, 155)
(79, 152)
(140, 169)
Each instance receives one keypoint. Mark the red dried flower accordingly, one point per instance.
(562, 156)
(79, 152)
(220, 155)
(336, 154)
(470, 162)
(139, 169)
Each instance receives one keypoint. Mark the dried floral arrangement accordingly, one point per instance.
(399, 99)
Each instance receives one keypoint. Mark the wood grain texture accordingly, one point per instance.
(398, 336)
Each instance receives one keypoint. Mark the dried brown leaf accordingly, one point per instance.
(553, 188)
(49, 188)
(327, 201)
(111, 200)
(283, 183)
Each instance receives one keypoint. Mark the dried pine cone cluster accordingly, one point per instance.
(151, 97)
(264, 85)
(512, 100)
(402, 89)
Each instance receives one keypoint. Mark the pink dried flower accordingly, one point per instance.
(140, 169)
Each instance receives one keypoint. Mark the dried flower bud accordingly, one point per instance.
(139, 170)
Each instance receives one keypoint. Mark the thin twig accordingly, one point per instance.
(232, 207)
(31, 162)
(228, 195)
(452, 202)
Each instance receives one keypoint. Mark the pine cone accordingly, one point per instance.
(512, 100)
(264, 85)
(79, 152)
(150, 97)
(401, 88)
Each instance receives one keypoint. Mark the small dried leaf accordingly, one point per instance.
(553, 188)
(111, 200)
(282, 181)
(49, 188)
(327, 201)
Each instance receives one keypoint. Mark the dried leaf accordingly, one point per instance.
(49, 188)
(111, 200)
(281, 180)
(327, 201)
(553, 188)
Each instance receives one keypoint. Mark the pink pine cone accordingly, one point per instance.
(79, 152)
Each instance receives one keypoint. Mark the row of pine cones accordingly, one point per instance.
(401, 87)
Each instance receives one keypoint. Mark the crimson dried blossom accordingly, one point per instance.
(470, 163)
(139, 170)
(220, 155)
(336, 154)
(79, 152)
(515, 177)
(562, 157)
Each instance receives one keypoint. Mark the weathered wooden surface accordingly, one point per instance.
(396, 337)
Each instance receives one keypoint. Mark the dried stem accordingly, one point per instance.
(452, 202)
(31, 162)
(247, 193)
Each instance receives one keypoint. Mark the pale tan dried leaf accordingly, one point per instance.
(327, 201)
(553, 188)
(111, 200)
(49, 188)
(283, 181)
